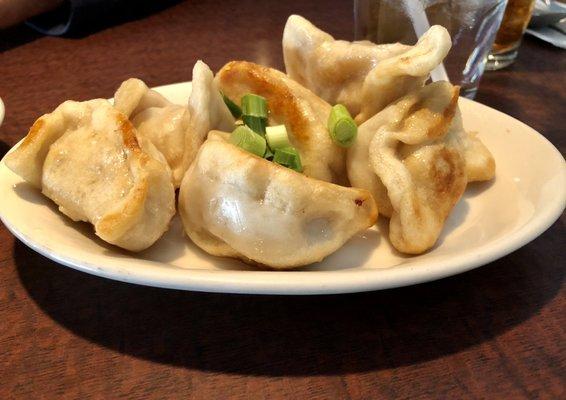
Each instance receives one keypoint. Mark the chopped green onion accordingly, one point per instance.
(276, 137)
(248, 140)
(233, 107)
(254, 105)
(341, 126)
(256, 124)
(254, 112)
(288, 157)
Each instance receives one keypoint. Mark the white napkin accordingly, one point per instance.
(548, 22)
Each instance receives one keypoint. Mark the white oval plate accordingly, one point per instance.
(2, 110)
(492, 220)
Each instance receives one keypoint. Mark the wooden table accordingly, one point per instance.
(496, 332)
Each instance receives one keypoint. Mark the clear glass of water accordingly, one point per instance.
(472, 24)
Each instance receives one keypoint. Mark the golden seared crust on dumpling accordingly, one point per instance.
(411, 158)
(363, 76)
(157, 121)
(27, 160)
(86, 158)
(304, 114)
(235, 204)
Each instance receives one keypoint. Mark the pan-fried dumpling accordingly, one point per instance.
(480, 164)
(157, 120)
(207, 112)
(234, 204)
(176, 131)
(85, 157)
(412, 158)
(363, 76)
(304, 114)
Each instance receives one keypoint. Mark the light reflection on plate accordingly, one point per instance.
(2, 111)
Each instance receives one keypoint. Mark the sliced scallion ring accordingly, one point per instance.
(277, 137)
(288, 157)
(248, 140)
(254, 105)
(256, 124)
(341, 127)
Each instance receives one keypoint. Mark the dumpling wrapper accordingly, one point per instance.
(234, 204)
(480, 164)
(363, 76)
(85, 157)
(176, 131)
(304, 114)
(207, 112)
(412, 157)
(156, 119)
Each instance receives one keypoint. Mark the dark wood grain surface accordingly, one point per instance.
(496, 332)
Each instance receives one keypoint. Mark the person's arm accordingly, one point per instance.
(75, 17)
(13, 12)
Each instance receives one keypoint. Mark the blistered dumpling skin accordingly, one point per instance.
(411, 157)
(304, 114)
(235, 204)
(156, 120)
(363, 76)
(85, 157)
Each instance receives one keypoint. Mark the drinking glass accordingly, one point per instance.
(472, 24)
(508, 39)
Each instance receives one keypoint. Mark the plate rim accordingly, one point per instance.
(355, 280)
